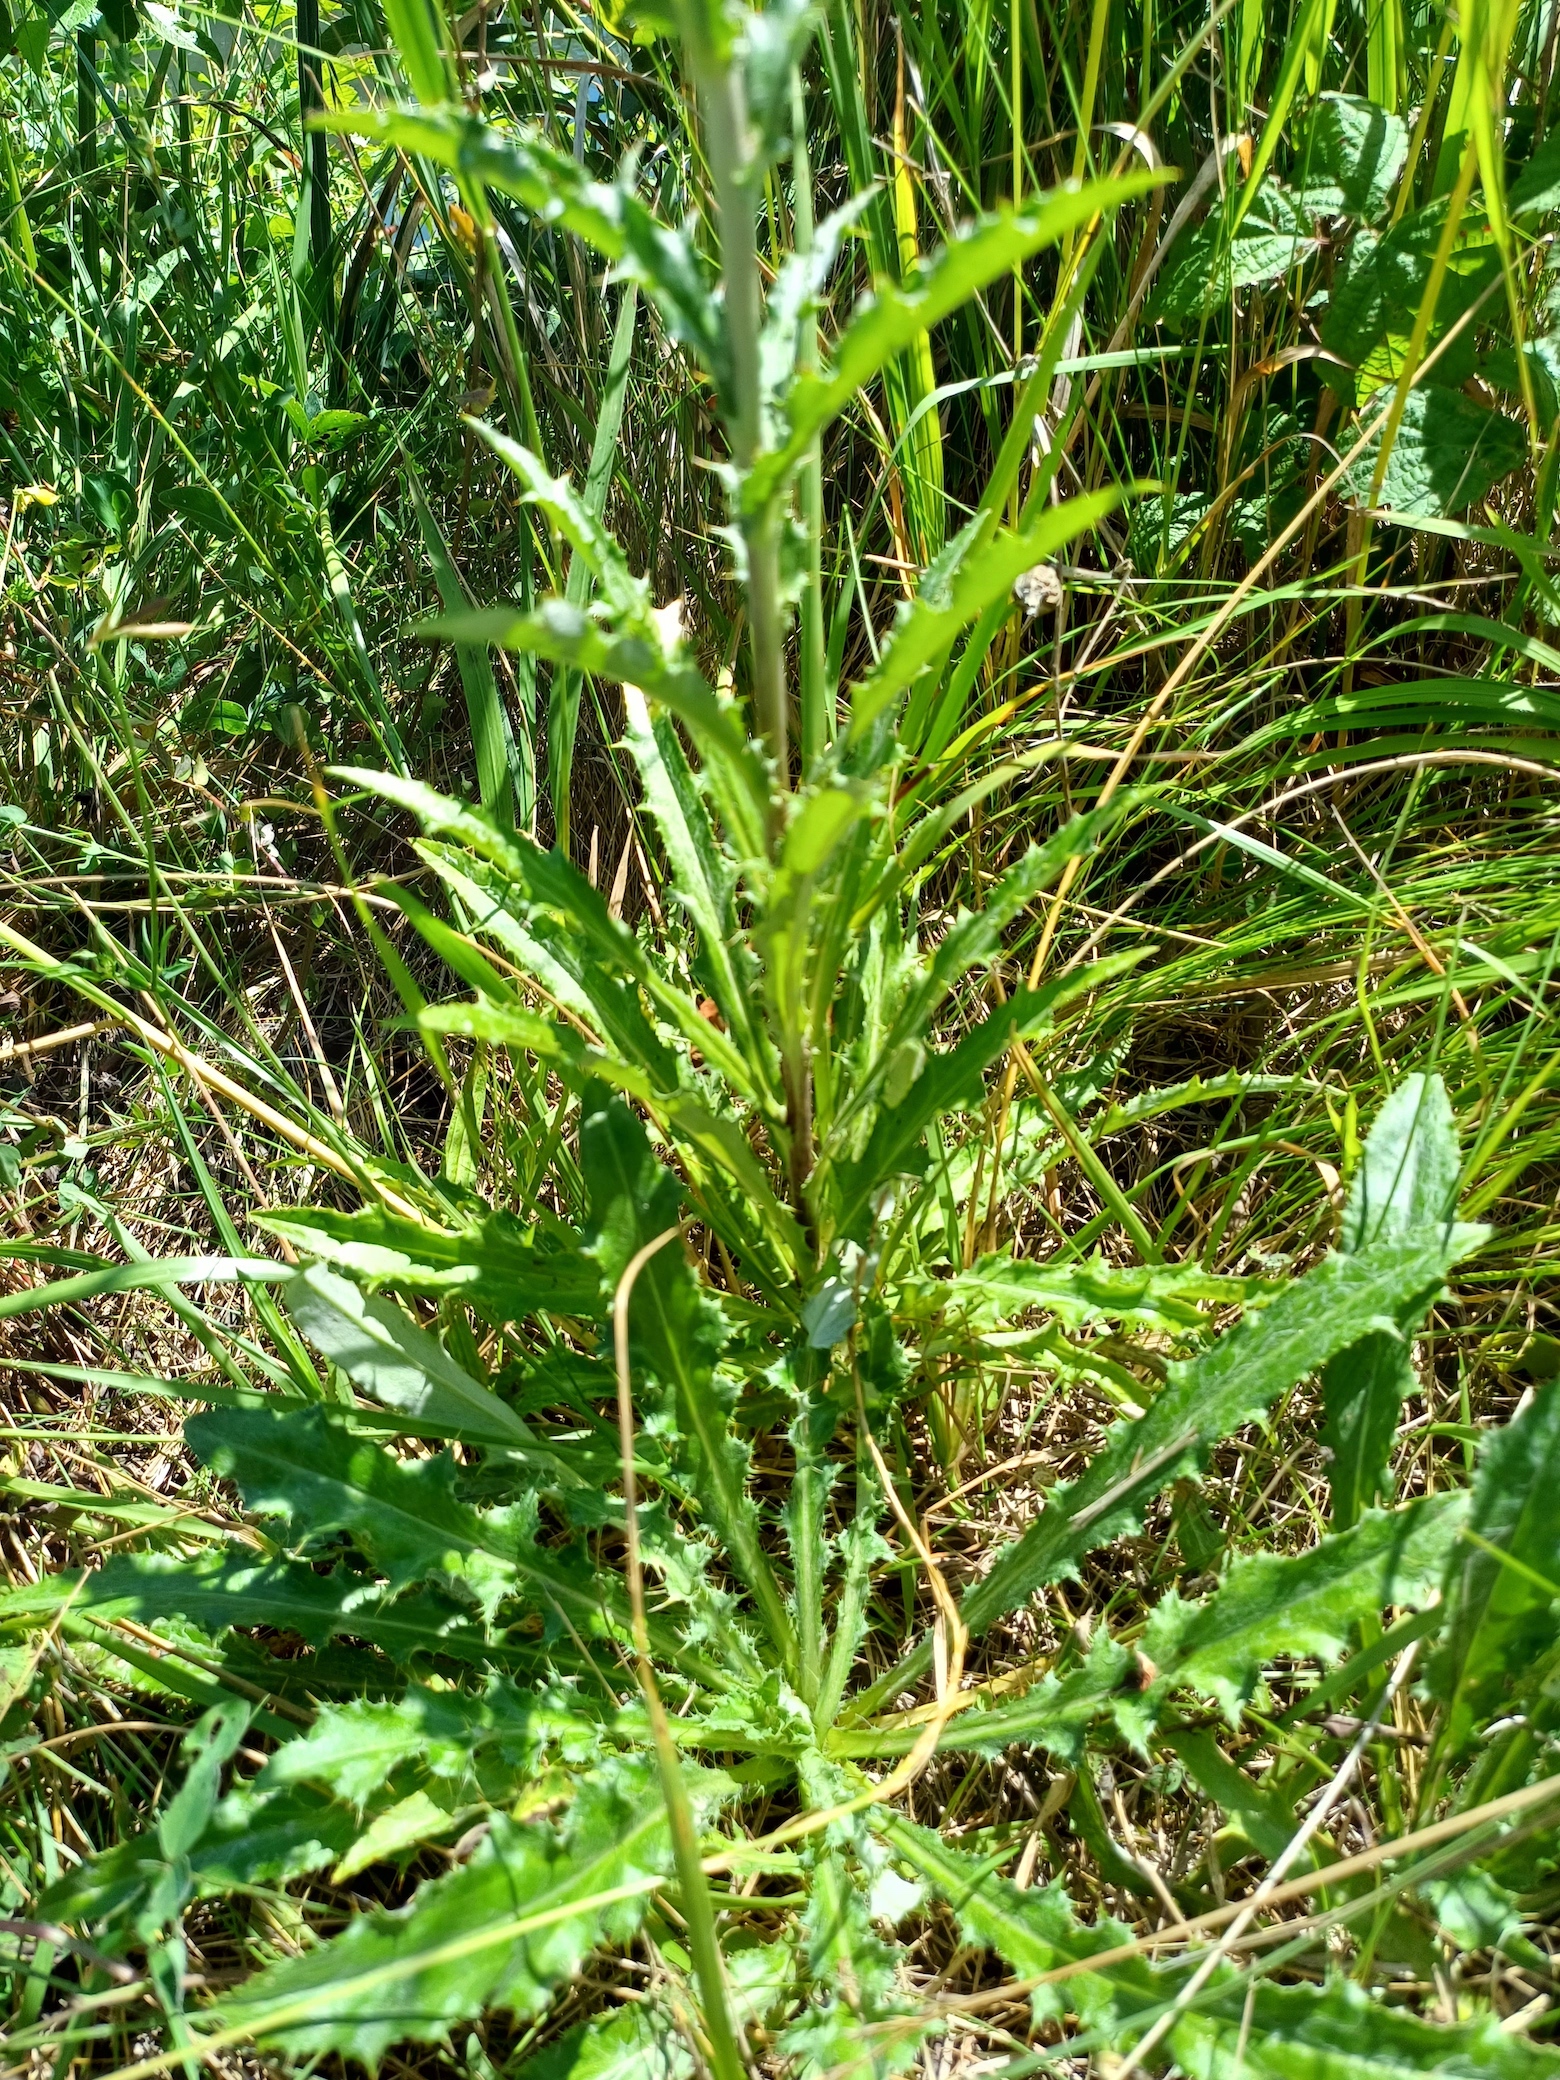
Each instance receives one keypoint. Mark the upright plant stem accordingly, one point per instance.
(816, 720)
(724, 106)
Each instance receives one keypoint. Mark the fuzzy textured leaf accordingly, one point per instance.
(384, 1352)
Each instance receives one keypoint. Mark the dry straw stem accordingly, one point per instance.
(51, 1043)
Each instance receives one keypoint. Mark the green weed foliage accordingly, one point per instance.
(914, 1431)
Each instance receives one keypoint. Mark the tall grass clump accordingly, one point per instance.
(779, 1155)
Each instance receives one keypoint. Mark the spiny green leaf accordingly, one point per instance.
(862, 2025)
(1339, 2032)
(944, 1082)
(1363, 1390)
(600, 985)
(1407, 1179)
(897, 315)
(626, 597)
(703, 875)
(934, 620)
(1501, 1614)
(676, 1332)
(1406, 1182)
(539, 902)
(1033, 1930)
(1270, 1606)
(315, 1474)
(1304, 1605)
(511, 1025)
(352, 1749)
(250, 1839)
(505, 777)
(257, 1838)
(975, 938)
(568, 634)
(998, 1287)
(240, 1594)
(1260, 1810)
(502, 1931)
(629, 2043)
(1208, 1397)
(558, 191)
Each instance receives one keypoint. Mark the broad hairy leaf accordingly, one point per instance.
(1276, 234)
(1536, 190)
(1381, 287)
(497, 1264)
(382, 1351)
(1449, 451)
(1348, 160)
(1406, 1184)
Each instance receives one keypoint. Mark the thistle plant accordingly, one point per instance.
(581, 1529)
